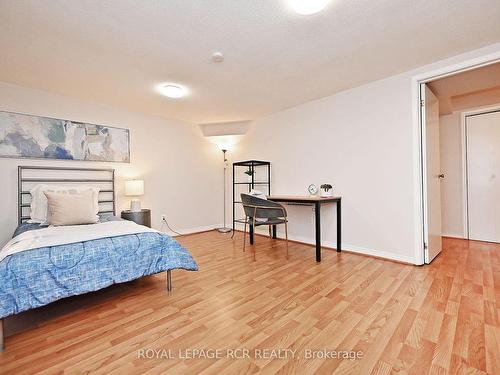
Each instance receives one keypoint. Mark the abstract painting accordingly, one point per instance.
(26, 136)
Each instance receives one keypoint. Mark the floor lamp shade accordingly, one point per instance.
(134, 188)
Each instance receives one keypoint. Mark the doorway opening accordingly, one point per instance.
(460, 157)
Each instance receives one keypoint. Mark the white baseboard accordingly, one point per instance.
(359, 250)
(378, 253)
(192, 230)
(347, 247)
(453, 235)
(351, 248)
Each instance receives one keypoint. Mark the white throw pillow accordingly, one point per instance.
(38, 212)
(71, 209)
(261, 195)
(258, 194)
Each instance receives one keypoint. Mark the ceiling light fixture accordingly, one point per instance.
(307, 7)
(172, 90)
(217, 57)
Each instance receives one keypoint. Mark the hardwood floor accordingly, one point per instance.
(438, 319)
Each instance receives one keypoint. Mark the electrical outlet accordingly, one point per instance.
(163, 217)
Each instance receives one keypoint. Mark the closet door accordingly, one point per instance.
(483, 172)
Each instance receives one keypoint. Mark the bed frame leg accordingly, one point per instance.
(2, 338)
(169, 281)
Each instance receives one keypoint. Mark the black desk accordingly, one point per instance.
(317, 202)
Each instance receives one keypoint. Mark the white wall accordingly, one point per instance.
(181, 169)
(363, 141)
(452, 199)
(359, 144)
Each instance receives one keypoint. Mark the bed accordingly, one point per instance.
(42, 264)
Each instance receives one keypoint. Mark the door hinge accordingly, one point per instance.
(425, 246)
(422, 103)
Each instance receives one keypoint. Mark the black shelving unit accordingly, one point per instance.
(254, 166)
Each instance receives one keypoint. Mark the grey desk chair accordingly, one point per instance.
(271, 213)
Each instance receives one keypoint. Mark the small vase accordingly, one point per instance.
(325, 193)
(249, 177)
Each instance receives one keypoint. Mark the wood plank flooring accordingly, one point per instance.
(438, 319)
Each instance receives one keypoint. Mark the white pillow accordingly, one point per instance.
(261, 195)
(258, 194)
(71, 209)
(38, 213)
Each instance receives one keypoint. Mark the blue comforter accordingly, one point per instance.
(37, 277)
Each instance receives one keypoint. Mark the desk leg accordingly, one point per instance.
(250, 231)
(317, 222)
(274, 232)
(339, 226)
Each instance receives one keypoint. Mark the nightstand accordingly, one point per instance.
(142, 217)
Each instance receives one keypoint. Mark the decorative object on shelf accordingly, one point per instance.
(312, 189)
(250, 173)
(27, 136)
(141, 217)
(263, 182)
(134, 188)
(326, 190)
(224, 229)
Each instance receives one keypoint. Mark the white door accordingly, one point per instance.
(432, 175)
(483, 173)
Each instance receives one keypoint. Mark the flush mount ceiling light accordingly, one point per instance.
(307, 7)
(217, 57)
(172, 90)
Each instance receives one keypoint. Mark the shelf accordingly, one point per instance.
(251, 163)
(250, 183)
(260, 180)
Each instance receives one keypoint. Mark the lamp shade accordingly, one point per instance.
(134, 187)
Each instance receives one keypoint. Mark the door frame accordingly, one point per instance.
(419, 135)
(465, 168)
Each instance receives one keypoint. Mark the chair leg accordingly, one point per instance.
(253, 247)
(270, 235)
(286, 236)
(245, 234)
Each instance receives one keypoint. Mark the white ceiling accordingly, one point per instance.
(115, 51)
(473, 88)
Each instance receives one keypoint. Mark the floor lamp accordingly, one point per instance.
(224, 229)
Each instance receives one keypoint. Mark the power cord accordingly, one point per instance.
(164, 220)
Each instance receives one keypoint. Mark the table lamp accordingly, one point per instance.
(134, 188)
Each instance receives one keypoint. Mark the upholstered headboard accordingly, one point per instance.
(30, 176)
